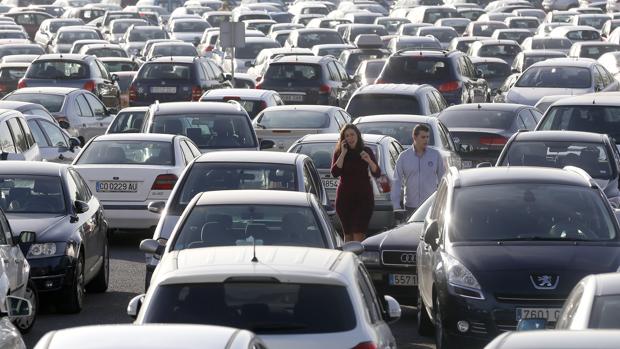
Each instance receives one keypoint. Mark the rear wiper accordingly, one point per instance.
(276, 326)
(260, 126)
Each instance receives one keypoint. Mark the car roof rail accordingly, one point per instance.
(583, 174)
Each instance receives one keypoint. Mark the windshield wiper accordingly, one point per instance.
(540, 238)
(276, 326)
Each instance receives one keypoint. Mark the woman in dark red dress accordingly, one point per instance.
(354, 199)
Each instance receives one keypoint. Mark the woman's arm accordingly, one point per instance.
(369, 157)
(338, 161)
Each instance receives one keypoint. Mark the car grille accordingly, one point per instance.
(477, 327)
(547, 300)
(400, 258)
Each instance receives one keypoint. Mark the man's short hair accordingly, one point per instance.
(420, 128)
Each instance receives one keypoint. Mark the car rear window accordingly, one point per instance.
(583, 35)
(556, 77)
(551, 44)
(442, 35)
(53, 103)
(587, 118)
(71, 37)
(497, 119)
(297, 119)
(242, 225)
(262, 307)
(114, 67)
(106, 52)
(321, 153)
(499, 51)
(120, 27)
(139, 35)
(417, 70)
(127, 121)
(173, 50)
(65, 70)
(127, 153)
(308, 40)
(12, 74)
(432, 15)
(165, 71)
(374, 104)
(493, 70)
(605, 312)
(401, 131)
(293, 72)
(190, 27)
(251, 50)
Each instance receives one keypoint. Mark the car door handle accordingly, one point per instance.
(61, 157)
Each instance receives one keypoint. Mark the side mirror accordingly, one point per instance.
(393, 311)
(27, 237)
(484, 164)
(267, 144)
(354, 247)
(480, 74)
(432, 234)
(133, 308)
(227, 77)
(64, 124)
(514, 70)
(74, 143)
(114, 77)
(531, 324)
(156, 206)
(80, 206)
(253, 63)
(152, 246)
(111, 111)
(18, 307)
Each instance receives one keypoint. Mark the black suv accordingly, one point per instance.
(452, 73)
(309, 80)
(485, 263)
(175, 79)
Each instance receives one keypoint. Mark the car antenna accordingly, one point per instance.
(254, 259)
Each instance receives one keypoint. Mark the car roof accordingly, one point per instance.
(4, 104)
(396, 118)
(575, 136)
(559, 339)
(152, 137)
(333, 137)
(607, 284)
(172, 59)
(130, 109)
(426, 53)
(150, 335)
(194, 107)
(47, 90)
(317, 108)
(238, 92)
(402, 89)
(541, 52)
(487, 60)
(566, 62)
(62, 56)
(34, 168)
(487, 106)
(519, 174)
(254, 197)
(116, 59)
(300, 59)
(249, 157)
(15, 65)
(600, 98)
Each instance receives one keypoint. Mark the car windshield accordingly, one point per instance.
(70, 37)
(114, 67)
(583, 35)
(107, 52)
(587, 118)
(208, 176)
(127, 153)
(605, 310)
(441, 35)
(374, 104)
(493, 70)
(321, 153)
(401, 131)
(165, 71)
(556, 77)
(53, 103)
(65, 70)
(417, 70)
(31, 194)
(596, 22)
(174, 50)
(190, 27)
(497, 119)
(551, 44)
(298, 119)
(499, 51)
(240, 225)
(12, 74)
(127, 122)
(263, 307)
(208, 131)
(591, 157)
(308, 40)
(251, 50)
(530, 211)
(140, 35)
(293, 72)
(120, 27)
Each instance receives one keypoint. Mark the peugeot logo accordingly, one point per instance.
(407, 258)
(544, 281)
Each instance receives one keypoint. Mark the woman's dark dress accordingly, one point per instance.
(354, 197)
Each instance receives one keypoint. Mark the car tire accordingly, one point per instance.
(442, 339)
(72, 299)
(100, 283)
(425, 325)
(25, 324)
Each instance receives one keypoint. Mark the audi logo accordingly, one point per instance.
(408, 258)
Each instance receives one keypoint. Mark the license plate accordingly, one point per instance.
(403, 280)
(549, 314)
(160, 89)
(330, 183)
(292, 98)
(117, 187)
(467, 164)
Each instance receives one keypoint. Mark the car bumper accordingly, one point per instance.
(407, 295)
(126, 216)
(52, 273)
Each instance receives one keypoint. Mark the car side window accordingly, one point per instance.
(29, 137)
(95, 72)
(103, 70)
(394, 153)
(54, 134)
(570, 307)
(343, 73)
(527, 119)
(208, 71)
(443, 137)
(83, 193)
(203, 73)
(6, 140)
(536, 115)
(432, 103)
(607, 79)
(96, 105)
(333, 72)
(37, 133)
(21, 145)
(440, 200)
(83, 107)
(443, 129)
(598, 79)
(309, 184)
(316, 178)
(72, 188)
(195, 151)
(187, 153)
(5, 231)
(217, 71)
(368, 295)
(346, 117)
(441, 102)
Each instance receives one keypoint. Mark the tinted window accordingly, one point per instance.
(493, 70)
(71, 37)
(478, 118)
(295, 72)
(190, 27)
(53, 103)
(120, 27)
(432, 15)
(21, 144)
(114, 67)
(252, 49)
(127, 152)
(173, 50)
(37, 133)
(417, 70)
(556, 77)
(500, 51)
(298, 119)
(583, 35)
(546, 211)
(321, 153)
(373, 104)
(262, 307)
(57, 70)
(6, 141)
(139, 35)
(308, 40)
(12, 73)
(31, 194)
(106, 52)
(165, 71)
(596, 51)
(551, 44)
(57, 139)
(401, 131)
(597, 119)
(441, 35)
(127, 121)
(605, 312)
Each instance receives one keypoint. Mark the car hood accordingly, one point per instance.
(44, 225)
(309, 341)
(404, 237)
(531, 95)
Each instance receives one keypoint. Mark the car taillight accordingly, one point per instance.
(449, 86)
(164, 182)
(133, 93)
(325, 89)
(21, 83)
(90, 86)
(208, 48)
(259, 85)
(493, 140)
(196, 93)
(384, 185)
(366, 345)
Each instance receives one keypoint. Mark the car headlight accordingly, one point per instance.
(47, 249)
(461, 280)
(370, 258)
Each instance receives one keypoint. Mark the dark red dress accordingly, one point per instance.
(354, 197)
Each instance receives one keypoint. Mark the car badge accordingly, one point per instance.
(544, 281)
(407, 258)
(115, 178)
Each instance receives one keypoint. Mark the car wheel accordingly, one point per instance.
(101, 281)
(425, 326)
(442, 340)
(25, 323)
(72, 299)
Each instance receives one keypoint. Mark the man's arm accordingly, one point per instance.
(397, 182)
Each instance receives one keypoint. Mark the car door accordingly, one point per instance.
(347, 87)
(21, 143)
(11, 256)
(84, 120)
(102, 118)
(58, 147)
(383, 334)
(109, 91)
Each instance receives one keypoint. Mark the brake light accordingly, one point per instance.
(449, 86)
(325, 89)
(384, 185)
(164, 182)
(133, 93)
(196, 93)
(90, 86)
(231, 98)
(21, 83)
(493, 140)
(366, 345)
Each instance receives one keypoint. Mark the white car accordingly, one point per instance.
(148, 337)
(128, 171)
(292, 297)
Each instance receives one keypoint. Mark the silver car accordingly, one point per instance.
(55, 144)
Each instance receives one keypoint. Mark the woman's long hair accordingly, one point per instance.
(360, 142)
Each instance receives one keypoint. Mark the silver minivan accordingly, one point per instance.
(16, 140)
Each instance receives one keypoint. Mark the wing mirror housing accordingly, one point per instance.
(80, 206)
(354, 247)
(484, 164)
(133, 308)
(267, 144)
(393, 311)
(74, 143)
(156, 206)
(432, 234)
(18, 307)
(152, 246)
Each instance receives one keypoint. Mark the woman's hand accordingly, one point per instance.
(343, 147)
(366, 157)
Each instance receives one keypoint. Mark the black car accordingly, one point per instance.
(505, 244)
(77, 71)
(483, 129)
(175, 79)
(390, 257)
(592, 152)
(352, 58)
(452, 73)
(308, 80)
(67, 249)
